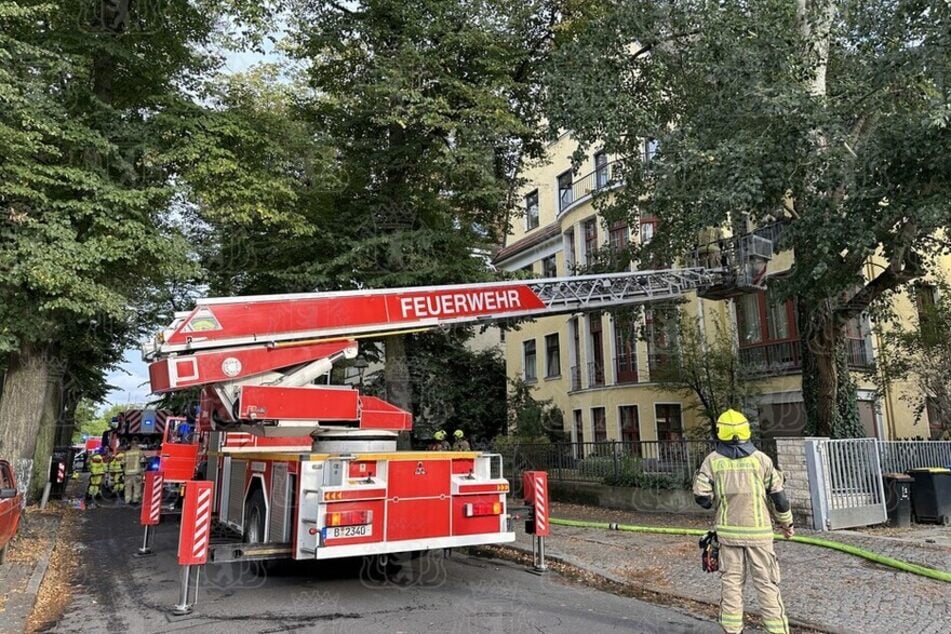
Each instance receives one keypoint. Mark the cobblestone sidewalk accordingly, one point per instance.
(823, 589)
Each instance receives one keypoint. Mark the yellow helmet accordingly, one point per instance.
(458, 434)
(440, 435)
(732, 425)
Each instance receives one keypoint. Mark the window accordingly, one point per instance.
(601, 177)
(618, 236)
(565, 191)
(618, 239)
(650, 150)
(590, 239)
(579, 426)
(661, 326)
(669, 421)
(596, 367)
(6, 479)
(925, 302)
(599, 423)
(549, 267)
(575, 353)
(767, 332)
(630, 427)
(625, 347)
(531, 211)
(778, 317)
(648, 228)
(528, 355)
(571, 257)
(748, 324)
(552, 356)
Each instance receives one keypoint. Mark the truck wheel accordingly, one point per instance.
(3, 552)
(254, 513)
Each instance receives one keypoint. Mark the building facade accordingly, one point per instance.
(601, 370)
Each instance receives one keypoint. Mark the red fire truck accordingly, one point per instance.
(310, 471)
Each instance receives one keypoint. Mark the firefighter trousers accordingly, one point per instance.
(133, 488)
(760, 562)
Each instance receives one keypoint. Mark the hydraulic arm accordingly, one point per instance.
(256, 357)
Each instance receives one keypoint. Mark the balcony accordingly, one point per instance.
(574, 377)
(663, 365)
(783, 357)
(774, 357)
(596, 374)
(859, 352)
(584, 187)
(625, 370)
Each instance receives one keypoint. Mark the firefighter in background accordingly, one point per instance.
(132, 472)
(115, 469)
(439, 442)
(460, 443)
(97, 470)
(746, 489)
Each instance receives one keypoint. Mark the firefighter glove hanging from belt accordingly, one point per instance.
(710, 552)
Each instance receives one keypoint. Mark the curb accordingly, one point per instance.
(574, 563)
(33, 585)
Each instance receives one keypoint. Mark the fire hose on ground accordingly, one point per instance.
(884, 560)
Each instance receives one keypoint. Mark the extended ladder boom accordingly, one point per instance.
(257, 357)
(269, 319)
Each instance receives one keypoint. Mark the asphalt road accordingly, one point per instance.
(461, 594)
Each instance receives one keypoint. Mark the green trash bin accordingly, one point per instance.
(931, 495)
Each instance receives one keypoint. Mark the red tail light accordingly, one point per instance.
(349, 518)
(481, 509)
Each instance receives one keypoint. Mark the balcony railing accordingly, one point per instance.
(778, 357)
(587, 185)
(772, 357)
(663, 365)
(575, 377)
(623, 370)
(860, 354)
(595, 373)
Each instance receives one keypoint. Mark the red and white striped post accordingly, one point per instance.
(535, 491)
(151, 512)
(193, 539)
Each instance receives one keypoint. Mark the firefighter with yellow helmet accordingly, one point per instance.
(460, 443)
(439, 442)
(745, 489)
(97, 470)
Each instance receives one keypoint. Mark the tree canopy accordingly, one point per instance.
(830, 116)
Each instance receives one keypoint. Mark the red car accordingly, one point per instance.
(10, 504)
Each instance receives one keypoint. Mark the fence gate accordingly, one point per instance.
(848, 474)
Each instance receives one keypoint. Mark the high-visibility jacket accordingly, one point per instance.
(97, 468)
(115, 465)
(741, 487)
(133, 462)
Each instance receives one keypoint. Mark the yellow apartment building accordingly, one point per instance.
(601, 374)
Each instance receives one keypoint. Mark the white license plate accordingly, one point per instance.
(343, 532)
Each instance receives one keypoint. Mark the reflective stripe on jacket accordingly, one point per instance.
(740, 487)
(133, 462)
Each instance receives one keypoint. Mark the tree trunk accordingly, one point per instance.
(46, 435)
(828, 392)
(21, 408)
(821, 342)
(399, 389)
(67, 422)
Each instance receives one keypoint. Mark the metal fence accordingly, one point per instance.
(898, 456)
(645, 464)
